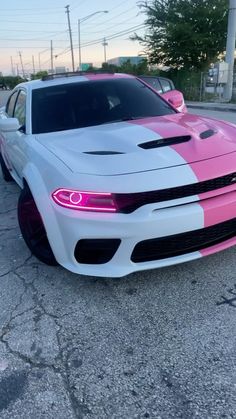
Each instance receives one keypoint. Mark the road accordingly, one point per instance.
(158, 344)
(227, 116)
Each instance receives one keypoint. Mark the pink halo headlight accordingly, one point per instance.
(75, 198)
(85, 201)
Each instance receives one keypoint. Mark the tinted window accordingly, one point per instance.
(154, 82)
(20, 108)
(84, 104)
(11, 104)
(166, 86)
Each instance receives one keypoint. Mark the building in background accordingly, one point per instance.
(121, 60)
(60, 70)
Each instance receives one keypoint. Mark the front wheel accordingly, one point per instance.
(32, 228)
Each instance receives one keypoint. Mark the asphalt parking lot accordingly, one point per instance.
(157, 344)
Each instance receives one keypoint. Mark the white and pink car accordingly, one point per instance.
(166, 88)
(114, 179)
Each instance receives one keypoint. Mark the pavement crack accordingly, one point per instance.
(6, 273)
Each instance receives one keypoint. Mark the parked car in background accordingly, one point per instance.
(114, 179)
(164, 86)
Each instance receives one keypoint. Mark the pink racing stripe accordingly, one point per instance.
(218, 247)
(215, 167)
(217, 192)
(209, 158)
(219, 209)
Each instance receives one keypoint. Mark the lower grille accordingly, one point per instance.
(179, 244)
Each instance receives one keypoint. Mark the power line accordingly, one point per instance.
(114, 17)
(116, 35)
(20, 30)
(30, 39)
(29, 21)
(78, 5)
(100, 40)
(35, 8)
(112, 27)
(25, 46)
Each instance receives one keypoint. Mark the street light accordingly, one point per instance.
(79, 23)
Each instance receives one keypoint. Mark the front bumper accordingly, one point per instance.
(148, 222)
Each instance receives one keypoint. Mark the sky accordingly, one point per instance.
(28, 26)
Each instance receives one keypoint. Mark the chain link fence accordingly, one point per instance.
(200, 86)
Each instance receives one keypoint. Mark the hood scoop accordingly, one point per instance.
(208, 133)
(103, 153)
(162, 142)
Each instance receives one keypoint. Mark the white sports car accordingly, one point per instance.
(114, 179)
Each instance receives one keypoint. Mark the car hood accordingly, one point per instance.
(113, 149)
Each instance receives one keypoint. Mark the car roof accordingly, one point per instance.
(64, 79)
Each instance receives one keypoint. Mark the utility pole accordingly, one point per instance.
(230, 48)
(39, 62)
(12, 67)
(79, 39)
(105, 51)
(22, 67)
(71, 42)
(52, 58)
(33, 64)
(17, 69)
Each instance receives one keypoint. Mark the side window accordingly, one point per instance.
(20, 108)
(154, 83)
(166, 86)
(11, 104)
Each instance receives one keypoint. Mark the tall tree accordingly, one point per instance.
(184, 33)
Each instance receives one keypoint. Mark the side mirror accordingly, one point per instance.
(176, 99)
(9, 125)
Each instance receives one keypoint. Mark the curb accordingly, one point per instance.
(211, 108)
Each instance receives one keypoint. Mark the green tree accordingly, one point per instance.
(11, 81)
(128, 67)
(39, 75)
(186, 34)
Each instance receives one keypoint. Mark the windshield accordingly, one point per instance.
(85, 104)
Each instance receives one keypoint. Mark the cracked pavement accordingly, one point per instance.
(156, 344)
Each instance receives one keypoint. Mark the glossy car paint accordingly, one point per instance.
(57, 160)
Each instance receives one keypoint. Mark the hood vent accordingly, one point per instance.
(207, 134)
(103, 153)
(162, 142)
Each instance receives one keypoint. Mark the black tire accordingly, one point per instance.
(33, 230)
(5, 172)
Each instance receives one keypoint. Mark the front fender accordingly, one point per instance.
(36, 184)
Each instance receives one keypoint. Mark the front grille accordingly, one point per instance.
(130, 202)
(180, 244)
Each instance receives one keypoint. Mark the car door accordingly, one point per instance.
(4, 137)
(15, 141)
